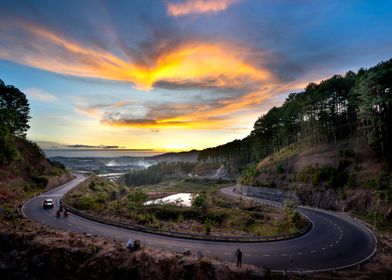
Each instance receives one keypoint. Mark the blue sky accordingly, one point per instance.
(173, 75)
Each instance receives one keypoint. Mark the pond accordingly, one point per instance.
(180, 199)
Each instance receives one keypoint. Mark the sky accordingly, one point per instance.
(177, 75)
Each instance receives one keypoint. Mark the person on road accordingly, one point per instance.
(238, 255)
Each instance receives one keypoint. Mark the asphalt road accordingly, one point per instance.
(335, 240)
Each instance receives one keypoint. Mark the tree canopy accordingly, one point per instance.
(14, 111)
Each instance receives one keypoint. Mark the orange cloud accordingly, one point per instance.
(220, 65)
(188, 7)
(218, 115)
(194, 63)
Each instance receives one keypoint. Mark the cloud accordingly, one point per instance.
(82, 146)
(205, 115)
(189, 7)
(39, 94)
(193, 62)
(97, 109)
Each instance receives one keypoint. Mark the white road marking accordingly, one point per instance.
(299, 253)
(283, 255)
(266, 255)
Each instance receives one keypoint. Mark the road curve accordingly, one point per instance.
(335, 240)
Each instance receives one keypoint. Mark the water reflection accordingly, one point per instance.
(180, 199)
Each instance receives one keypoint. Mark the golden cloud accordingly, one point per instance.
(220, 65)
(198, 7)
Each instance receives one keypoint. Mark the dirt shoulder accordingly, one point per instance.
(31, 251)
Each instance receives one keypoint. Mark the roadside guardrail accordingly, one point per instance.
(206, 237)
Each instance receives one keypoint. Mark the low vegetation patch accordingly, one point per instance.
(210, 213)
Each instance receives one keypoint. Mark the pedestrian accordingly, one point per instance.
(238, 254)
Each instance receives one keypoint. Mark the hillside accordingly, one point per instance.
(343, 176)
(331, 143)
(24, 169)
(334, 109)
(190, 156)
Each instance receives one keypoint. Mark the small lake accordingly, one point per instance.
(180, 199)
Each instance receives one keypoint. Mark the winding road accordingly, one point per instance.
(335, 241)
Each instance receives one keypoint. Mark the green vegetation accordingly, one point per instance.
(18, 155)
(210, 213)
(24, 170)
(334, 109)
(329, 176)
(249, 174)
(157, 173)
(14, 111)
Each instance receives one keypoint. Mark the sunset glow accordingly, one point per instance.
(172, 75)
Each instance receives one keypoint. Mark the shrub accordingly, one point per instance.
(84, 203)
(207, 227)
(137, 197)
(280, 168)
(248, 176)
(199, 201)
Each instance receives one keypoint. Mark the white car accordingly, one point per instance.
(48, 203)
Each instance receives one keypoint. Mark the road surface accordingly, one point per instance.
(335, 240)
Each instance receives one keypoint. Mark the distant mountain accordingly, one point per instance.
(190, 156)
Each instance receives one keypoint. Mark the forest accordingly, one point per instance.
(336, 108)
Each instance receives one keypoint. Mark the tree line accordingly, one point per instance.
(336, 108)
(14, 120)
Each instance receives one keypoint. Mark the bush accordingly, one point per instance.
(84, 203)
(207, 227)
(137, 197)
(199, 201)
(249, 175)
(330, 176)
(40, 180)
